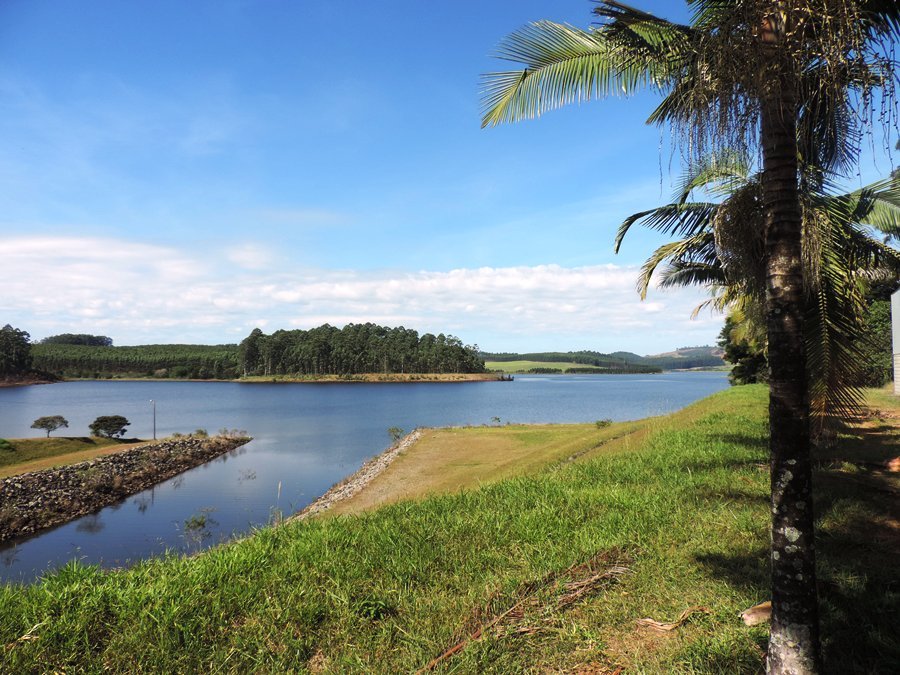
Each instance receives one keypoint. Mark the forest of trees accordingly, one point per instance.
(15, 351)
(326, 350)
(355, 348)
(175, 361)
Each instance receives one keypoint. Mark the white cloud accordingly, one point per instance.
(250, 256)
(137, 292)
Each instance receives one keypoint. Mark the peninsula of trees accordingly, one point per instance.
(354, 349)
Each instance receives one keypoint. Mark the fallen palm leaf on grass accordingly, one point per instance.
(598, 571)
(666, 627)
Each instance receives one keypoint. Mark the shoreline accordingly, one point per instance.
(26, 382)
(356, 482)
(359, 378)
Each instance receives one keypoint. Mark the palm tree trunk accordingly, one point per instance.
(794, 638)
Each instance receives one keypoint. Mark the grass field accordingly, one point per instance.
(554, 568)
(524, 366)
(21, 455)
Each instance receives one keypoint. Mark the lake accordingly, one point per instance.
(306, 438)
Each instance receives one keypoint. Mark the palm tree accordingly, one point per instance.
(744, 74)
(722, 248)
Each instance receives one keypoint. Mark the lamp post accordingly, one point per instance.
(153, 403)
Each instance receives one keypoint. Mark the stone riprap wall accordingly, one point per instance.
(353, 485)
(33, 501)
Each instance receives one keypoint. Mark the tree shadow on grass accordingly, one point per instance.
(858, 549)
(744, 440)
(868, 441)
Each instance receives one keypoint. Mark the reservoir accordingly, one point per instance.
(306, 438)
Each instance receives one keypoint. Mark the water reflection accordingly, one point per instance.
(10, 556)
(91, 524)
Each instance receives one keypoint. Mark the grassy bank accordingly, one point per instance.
(557, 566)
(445, 461)
(21, 455)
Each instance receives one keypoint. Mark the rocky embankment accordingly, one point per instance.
(33, 501)
(354, 484)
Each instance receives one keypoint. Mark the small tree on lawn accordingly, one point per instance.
(109, 426)
(50, 423)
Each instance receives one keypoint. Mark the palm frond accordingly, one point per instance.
(698, 251)
(683, 220)
(562, 65)
(680, 273)
(718, 174)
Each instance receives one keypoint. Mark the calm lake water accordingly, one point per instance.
(306, 438)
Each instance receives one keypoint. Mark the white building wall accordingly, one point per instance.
(895, 330)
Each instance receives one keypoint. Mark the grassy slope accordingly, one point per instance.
(449, 460)
(389, 590)
(31, 454)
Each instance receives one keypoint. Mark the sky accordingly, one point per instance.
(176, 172)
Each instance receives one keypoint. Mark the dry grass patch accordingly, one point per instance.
(35, 454)
(444, 461)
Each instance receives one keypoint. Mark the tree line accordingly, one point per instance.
(174, 361)
(326, 350)
(353, 349)
(15, 352)
(599, 362)
(78, 339)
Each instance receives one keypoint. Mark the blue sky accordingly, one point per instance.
(185, 172)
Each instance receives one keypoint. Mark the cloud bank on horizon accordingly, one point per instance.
(146, 293)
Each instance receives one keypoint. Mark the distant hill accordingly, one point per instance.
(681, 358)
(687, 357)
(588, 361)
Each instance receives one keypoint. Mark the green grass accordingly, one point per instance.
(21, 451)
(389, 590)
